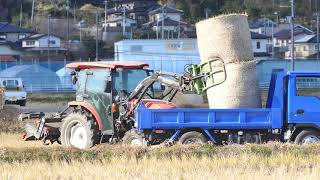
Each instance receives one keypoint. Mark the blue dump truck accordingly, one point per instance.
(289, 115)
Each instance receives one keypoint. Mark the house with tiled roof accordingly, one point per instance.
(167, 18)
(134, 9)
(282, 38)
(259, 45)
(306, 46)
(13, 33)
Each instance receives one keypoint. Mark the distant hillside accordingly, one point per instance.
(194, 10)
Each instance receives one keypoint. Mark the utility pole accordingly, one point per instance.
(318, 35)
(264, 24)
(20, 23)
(124, 22)
(292, 35)
(105, 13)
(105, 21)
(74, 12)
(157, 28)
(317, 14)
(97, 34)
(162, 23)
(80, 28)
(48, 52)
(179, 30)
(68, 27)
(32, 11)
(272, 36)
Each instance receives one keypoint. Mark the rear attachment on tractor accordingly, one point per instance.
(41, 126)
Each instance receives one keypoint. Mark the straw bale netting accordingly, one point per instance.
(228, 37)
(240, 90)
(225, 36)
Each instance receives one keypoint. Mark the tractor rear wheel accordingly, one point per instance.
(134, 138)
(77, 130)
(193, 137)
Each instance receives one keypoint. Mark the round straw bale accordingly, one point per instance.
(240, 90)
(225, 36)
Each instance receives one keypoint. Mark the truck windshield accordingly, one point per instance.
(11, 84)
(128, 79)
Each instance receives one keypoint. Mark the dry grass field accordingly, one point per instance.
(32, 160)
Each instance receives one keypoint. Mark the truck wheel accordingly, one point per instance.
(307, 137)
(78, 131)
(134, 138)
(22, 103)
(193, 137)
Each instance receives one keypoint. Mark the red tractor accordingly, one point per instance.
(106, 97)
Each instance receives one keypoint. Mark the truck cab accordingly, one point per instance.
(301, 106)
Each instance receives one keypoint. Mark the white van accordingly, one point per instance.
(14, 91)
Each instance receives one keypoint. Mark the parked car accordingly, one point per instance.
(14, 91)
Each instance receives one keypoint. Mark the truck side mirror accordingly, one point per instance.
(74, 78)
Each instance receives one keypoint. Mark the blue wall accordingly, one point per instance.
(265, 67)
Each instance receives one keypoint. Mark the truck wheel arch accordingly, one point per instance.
(300, 127)
(90, 109)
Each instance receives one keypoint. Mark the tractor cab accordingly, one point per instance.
(100, 84)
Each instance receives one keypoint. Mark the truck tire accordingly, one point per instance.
(134, 138)
(78, 131)
(193, 137)
(22, 102)
(307, 137)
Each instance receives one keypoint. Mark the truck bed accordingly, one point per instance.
(219, 119)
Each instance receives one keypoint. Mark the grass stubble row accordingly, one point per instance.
(32, 160)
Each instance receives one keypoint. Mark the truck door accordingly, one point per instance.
(304, 99)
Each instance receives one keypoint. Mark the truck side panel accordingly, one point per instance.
(208, 118)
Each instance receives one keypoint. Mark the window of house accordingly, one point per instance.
(3, 36)
(258, 45)
(30, 43)
(21, 36)
(305, 48)
(136, 48)
(53, 42)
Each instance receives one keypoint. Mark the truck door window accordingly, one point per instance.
(308, 86)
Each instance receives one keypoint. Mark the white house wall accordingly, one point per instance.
(36, 43)
(165, 55)
(263, 45)
(173, 16)
(43, 42)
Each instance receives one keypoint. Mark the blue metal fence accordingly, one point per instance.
(264, 70)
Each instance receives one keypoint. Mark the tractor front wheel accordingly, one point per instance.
(78, 131)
